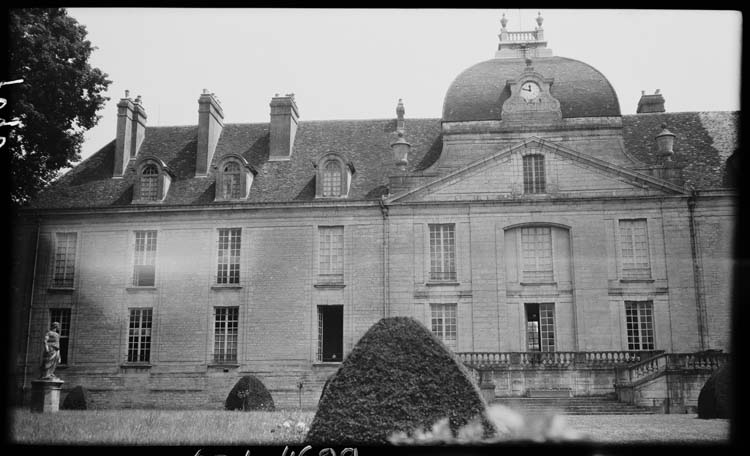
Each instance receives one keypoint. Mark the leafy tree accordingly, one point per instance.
(57, 102)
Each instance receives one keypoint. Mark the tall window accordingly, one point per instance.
(229, 256)
(231, 184)
(443, 252)
(144, 264)
(533, 174)
(634, 249)
(65, 260)
(540, 327)
(640, 325)
(225, 334)
(62, 316)
(331, 253)
(139, 335)
(150, 183)
(443, 323)
(536, 245)
(332, 179)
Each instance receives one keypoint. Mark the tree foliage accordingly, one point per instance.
(58, 100)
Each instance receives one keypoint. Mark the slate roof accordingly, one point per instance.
(480, 91)
(704, 141)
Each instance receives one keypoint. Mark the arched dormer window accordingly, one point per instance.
(152, 181)
(334, 177)
(149, 177)
(234, 177)
(231, 186)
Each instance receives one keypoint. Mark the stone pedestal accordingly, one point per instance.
(45, 395)
(488, 391)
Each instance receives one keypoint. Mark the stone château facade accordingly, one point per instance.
(551, 241)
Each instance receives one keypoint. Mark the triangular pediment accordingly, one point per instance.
(567, 174)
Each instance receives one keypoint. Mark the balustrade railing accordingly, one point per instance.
(554, 359)
(670, 361)
(522, 36)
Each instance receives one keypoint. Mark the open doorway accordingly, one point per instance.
(330, 333)
(540, 327)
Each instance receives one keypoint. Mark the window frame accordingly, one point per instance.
(135, 282)
(534, 173)
(54, 316)
(535, 275)
(137, 348)
(68, 262)
(439, 314)
(227, 253)
(633, 273)
(334, 272)
(225, 351)
(634, 328)
(442, 254)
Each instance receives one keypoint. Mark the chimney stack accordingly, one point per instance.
(284, 115)
(131, 130)
(210, 124)
(650, 103)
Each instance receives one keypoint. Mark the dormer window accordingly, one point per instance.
(334, 177)
(534, 180)
(149, 183)
(152, 181)
(231, 186)
(234, 178)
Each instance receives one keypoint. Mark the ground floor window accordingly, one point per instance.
(139, 335)
(639, 321)
(443, 323)
(330, 333)
(226, 330)
(61, 316)
(540, 326)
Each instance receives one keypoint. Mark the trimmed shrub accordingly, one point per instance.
(77, 399)
(398, 378)
(715, 399)
(249, 393)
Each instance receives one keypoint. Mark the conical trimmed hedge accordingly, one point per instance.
(76, 399)
(399, 377)
(715, 399)
(249, 393)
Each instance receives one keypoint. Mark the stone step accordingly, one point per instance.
(590, 405)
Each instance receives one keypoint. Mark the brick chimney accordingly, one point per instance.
(650, 103)
(131, 130)
(284, 115)
(210, 124)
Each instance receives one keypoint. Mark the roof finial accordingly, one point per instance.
(539, 19)
(503, 21)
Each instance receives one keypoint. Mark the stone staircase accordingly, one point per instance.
(579, 405)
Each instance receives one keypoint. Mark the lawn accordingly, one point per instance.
(155, 427)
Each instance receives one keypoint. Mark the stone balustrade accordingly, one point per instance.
(522, 36)
(670, 361)
(484, 360)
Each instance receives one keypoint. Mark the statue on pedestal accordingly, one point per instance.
(51, 354)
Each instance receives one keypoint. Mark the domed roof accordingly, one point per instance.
(480, 91)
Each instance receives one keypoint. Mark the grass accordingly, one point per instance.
(159, 427)
(209, 427)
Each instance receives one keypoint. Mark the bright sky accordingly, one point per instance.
(356, 64)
